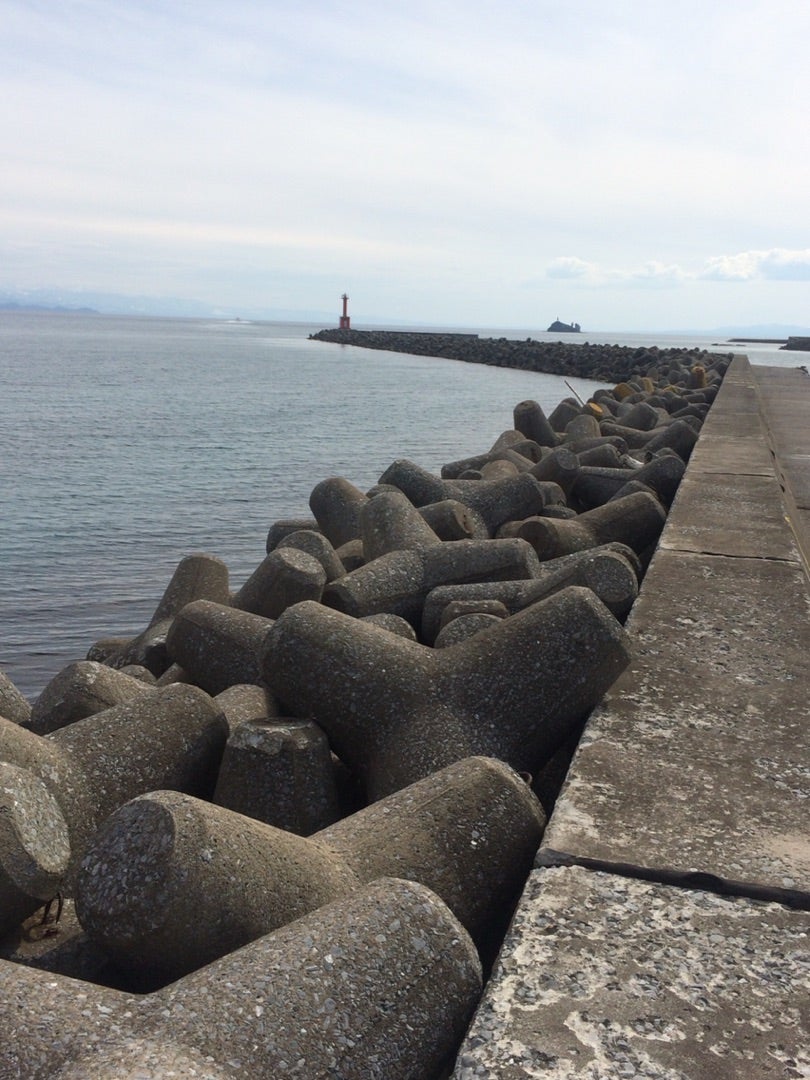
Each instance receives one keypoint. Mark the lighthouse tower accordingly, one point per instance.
(345, 321)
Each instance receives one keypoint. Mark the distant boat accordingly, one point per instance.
(558, 327)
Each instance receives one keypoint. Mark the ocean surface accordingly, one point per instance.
(127, 443)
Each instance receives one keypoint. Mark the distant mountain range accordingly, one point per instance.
(97, 303)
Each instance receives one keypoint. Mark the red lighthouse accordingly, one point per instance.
(345, 321)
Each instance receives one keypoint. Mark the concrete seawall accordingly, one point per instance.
(663, 931)
(392, 700)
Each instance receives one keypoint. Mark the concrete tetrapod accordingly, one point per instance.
(196, 577)
(284, 577)
(336, 504)
(635, 520)
(398, 582)
(379, 985)
(81, 689)
(314, 544)
(217, 645)
(170, 882)
(34, 845)
(606, 570)
(396, 711)
(14, 705)
(496, 501)
(390, 522)
(280, 772)
(171, 738)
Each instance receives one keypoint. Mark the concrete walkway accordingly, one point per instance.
(664, 932)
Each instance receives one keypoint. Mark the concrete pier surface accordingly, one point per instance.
(664, 931)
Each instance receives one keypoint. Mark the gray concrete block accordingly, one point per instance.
(245, 703)
(336, 504)
(394, 624)
(80, 690)
(398, 582)
(315, 544)
(286, 576)
(34, 844)
(495, 501)
(14, 706)
(390, 522)
(395, 711)
(530, 420)
(170, 738)
(379, 985)
(279, 529)
(604, 976)
(696, 761)
(452, 520)
(279, 772)
(171, 882)
(710, 513)
(636, 520)
(464, 626)
(606, 570)
(216, 645)
(197, 577)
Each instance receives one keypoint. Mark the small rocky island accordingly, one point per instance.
(558, 327)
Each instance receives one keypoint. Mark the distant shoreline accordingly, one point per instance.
(44, 308)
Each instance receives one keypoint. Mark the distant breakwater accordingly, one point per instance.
(600, 363)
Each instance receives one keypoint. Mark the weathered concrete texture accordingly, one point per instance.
(606, 570)
(79, 690)
(279, 772)
(606, 977)
(244, 703)
(396, 711)
(172, 882)
(398, 582)
(784, 397)
(217, 645)
(170, 738)
(730, 514)
(14, 706)
(34, 844)
(286, 576)
(379, 986)
(697, 760)
(197, 577)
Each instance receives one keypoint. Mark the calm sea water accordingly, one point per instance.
(127, 443)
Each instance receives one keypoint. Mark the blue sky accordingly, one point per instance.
(629, 165)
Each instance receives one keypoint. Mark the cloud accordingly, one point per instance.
(569, 266)
(740, 267)
(572, 268)
(776, 264)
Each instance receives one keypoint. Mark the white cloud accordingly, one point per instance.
(569, 266)
(777, 264)
(743, 266)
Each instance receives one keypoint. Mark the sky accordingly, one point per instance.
(626, 164)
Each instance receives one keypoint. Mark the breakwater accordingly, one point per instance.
(799, 344)
(600, 363)
(297, 814)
